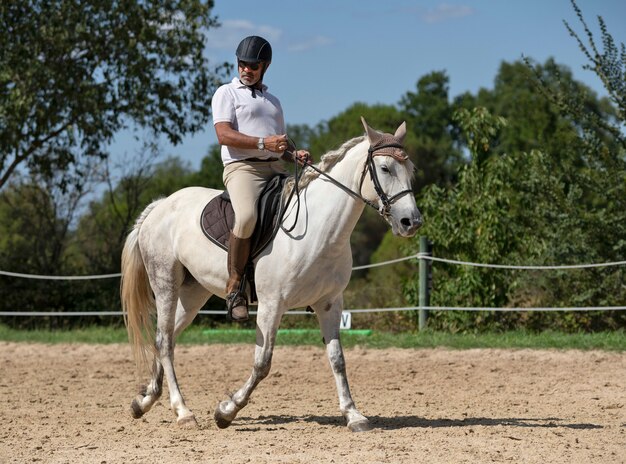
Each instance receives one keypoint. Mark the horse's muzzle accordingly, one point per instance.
(408, 226)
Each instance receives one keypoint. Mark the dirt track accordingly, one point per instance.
(69, 403)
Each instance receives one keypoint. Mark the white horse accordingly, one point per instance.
(169, 266)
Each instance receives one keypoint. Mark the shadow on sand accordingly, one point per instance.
(404, 422)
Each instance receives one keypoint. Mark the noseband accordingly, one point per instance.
(369, 165)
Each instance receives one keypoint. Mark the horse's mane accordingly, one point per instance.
(326, 163)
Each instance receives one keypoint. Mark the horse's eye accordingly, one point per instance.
(384, 169)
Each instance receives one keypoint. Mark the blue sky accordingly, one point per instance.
(330, 54)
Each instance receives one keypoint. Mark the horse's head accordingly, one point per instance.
(391, 173)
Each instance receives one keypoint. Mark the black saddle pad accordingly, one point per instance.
(218, 217)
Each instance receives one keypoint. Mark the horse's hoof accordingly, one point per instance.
(225, 413)
(220, 421)
(187, 422)
(360, 426)
(135, 409)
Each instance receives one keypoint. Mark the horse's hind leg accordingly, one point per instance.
(150, 393)
(267, 326)
(191, 298)
(329, 316)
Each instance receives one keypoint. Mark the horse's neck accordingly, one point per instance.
(335, 213)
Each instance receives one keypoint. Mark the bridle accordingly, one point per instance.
(386, 200)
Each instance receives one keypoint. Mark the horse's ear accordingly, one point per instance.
(401, 132)
(373, 136)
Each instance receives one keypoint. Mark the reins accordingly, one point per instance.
(386, 200)
(343, 187)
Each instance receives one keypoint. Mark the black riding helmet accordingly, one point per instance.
(254, 49)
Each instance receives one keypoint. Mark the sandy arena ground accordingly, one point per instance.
(69, 404)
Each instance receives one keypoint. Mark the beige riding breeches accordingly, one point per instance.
(244, 181)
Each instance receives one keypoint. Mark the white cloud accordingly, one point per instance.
(444, 12)
(314, 42)
(230, 33)
(441, 13)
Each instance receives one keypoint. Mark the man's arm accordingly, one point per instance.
(230, 137)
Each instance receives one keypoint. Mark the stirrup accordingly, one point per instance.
(234, 300)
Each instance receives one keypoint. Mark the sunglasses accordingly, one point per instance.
(252, 66)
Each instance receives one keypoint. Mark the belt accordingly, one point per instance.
(259, 160)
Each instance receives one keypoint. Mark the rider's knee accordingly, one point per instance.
(244, 225)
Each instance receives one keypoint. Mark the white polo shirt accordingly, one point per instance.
(261, 116)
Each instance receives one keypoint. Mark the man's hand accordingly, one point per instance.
(303, 157)
(276, 143)
(281, 144)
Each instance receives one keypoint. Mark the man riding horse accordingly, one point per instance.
(250, 127)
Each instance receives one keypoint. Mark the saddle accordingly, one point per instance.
(217, 220)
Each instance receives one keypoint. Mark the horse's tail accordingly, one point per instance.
(138, 302)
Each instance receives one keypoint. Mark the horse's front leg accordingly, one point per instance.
(329, 316)
(266, 327)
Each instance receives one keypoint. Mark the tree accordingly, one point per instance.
(434, 146)
(72, 74)
(36, 217)
(534, 121)
(475, 220)
(563, 204)
(609, 65)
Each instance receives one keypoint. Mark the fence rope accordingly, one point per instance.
(353, 311)
(356, 268)
(385, 263)
(419, 256)
(507, 266)
(49, 277)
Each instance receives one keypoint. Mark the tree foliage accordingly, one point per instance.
(531, 171)
(434, 146)
(72, 74)
(548, 187)
(35, 230)
(609, 64)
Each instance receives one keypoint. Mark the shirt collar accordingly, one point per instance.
(240, 85)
